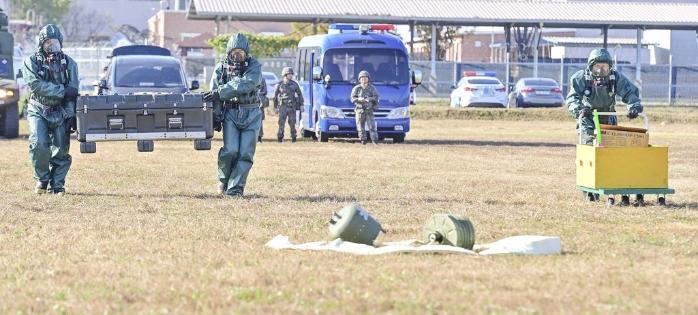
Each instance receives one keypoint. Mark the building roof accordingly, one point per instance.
(551, 13)
(597, 41)
(200, 41)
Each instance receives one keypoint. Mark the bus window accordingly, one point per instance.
(386, 66)
(298, 60)
(303, 66)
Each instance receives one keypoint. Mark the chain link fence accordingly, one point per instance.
(659, 84)
(91, 62)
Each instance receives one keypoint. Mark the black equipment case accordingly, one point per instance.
(144, 118)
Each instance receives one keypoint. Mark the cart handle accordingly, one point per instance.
(643, 115)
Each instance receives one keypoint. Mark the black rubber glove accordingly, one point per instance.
(212, 96)
(218, 126)
(586, 112)
(73, 124)
(71, 93)
(633, 112)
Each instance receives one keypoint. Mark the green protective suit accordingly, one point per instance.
(48, 113)
(601, 94)
(239, 112)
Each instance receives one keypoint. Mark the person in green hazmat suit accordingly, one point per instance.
(596, 88)
(52, 77)
(234, 89)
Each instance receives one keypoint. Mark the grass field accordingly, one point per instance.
(146, 233)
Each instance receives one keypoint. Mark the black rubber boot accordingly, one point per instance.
(625, 200)
(640, 200)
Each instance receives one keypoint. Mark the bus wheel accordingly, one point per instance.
(324, 137)
(399, 138)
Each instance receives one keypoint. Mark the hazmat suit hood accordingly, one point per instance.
(599, 55)
(238, 41)
(49, 31)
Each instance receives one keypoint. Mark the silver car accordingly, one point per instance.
(144, 69)
(536, 92)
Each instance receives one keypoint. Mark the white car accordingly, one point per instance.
(479, 89)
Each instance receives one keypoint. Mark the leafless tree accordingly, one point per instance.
(81, 24)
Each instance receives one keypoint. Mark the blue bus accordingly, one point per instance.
(327, 68)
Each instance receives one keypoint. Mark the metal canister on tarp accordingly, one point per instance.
(353, 224)
(447, 229)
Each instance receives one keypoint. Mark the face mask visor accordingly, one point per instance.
(237, 55)
(600, 69)
(52, 46)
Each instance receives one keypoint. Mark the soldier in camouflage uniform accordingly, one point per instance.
(263, 104)
(365, 98)
(287, 99)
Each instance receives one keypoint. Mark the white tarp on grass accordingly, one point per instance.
(523, 245)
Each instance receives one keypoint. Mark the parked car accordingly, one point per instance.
(536, 92)
(272, 81)
(479, 89)
(144, 69)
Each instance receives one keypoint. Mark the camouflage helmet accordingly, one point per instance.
(364, 73)
(286, 70)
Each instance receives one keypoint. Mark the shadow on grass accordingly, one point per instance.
(256, 196)
(685, 205)
(22, 137)
(488, 143)
(162, 195)
(324, 198)
(211, 196)
(461, 142)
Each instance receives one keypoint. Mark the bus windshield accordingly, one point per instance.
(386, 66)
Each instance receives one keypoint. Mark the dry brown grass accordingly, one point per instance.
(145, 233)
(440, 110)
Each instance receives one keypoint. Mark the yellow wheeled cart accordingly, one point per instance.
(622, 170)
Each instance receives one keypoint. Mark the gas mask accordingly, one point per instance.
(52, 47)
(600, 70)
(237, 62)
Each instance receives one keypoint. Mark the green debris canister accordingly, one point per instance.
(354, 224)
(447, 229)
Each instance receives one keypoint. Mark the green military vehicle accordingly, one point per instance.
(9, 91)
